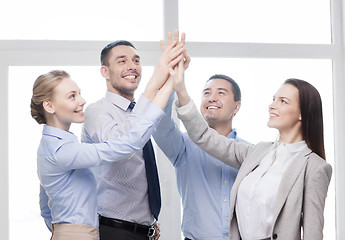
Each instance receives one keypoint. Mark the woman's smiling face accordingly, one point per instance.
(67, 104)
(284, 111)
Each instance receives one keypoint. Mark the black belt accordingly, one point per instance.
(148, 231)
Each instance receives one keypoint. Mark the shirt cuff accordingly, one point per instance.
(185, 112)
(145, 108)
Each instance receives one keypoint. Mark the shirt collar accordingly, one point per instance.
(117, 100)
(291, 147)
(232, 134)
(59, 133)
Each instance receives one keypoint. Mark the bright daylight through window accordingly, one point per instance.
(301, 23)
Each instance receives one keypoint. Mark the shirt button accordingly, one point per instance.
(225, 181)
(226, 219)
(224, 200)
(225, 237)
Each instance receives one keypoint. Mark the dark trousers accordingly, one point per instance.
(111, 233)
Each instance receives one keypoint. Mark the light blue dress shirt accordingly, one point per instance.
(204, 183)
(68, 188)
(122, 191)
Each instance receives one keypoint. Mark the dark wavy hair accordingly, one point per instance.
(311, 112)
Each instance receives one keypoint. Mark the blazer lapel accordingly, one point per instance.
(288, 180)
(247, 166)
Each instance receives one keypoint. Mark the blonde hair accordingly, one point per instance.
(43, 90)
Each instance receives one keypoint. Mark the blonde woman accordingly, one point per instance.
(68, 188)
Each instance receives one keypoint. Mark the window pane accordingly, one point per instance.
(24, 138)
(81, 20)
(274, 21)
(259, 79)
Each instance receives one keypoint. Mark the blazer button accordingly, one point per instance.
(275, 236)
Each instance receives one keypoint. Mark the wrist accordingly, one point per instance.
(149, 91)
(183, 97)
(159, 74)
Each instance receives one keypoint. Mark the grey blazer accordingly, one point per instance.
(302, 191)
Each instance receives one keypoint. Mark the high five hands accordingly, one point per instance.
(176, 73)
(186, 58)
(168, 73)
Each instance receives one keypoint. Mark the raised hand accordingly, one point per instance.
(174, 60)
(177, 76)
(170, 57)
(176, 39)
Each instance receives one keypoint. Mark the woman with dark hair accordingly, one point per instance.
(311, 113)
(281, 186)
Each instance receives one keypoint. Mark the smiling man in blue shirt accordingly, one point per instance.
(204, 183)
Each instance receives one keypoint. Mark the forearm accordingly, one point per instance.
(183, 97)
(154, 84)
(209, 140)
(75, 155)
(102, 124)
(168, 136)
(142, 109)
(128, 144)
(162, 96)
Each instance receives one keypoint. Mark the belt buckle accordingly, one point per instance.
(152, 232)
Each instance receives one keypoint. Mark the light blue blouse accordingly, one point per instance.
(68, 188)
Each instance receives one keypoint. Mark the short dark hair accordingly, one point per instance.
(106, 50)
(234, 86)
(311, 112)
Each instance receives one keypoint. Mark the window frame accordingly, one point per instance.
(86, 53)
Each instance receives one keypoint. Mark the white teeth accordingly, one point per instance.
(130, 77)
(211, 107)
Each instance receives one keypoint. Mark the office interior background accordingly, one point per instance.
(258, 43)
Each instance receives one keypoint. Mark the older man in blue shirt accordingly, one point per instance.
(203, 182)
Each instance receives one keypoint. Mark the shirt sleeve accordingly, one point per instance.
(169, 137)
(218, 146)
(74, 155)
(100, 125)
(45, 210)
(143, 108)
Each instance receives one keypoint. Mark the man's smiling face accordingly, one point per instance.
(217, 102)
(123, 71)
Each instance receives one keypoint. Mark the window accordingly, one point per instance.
(81, 20)
(259, 44)
(267, 21)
